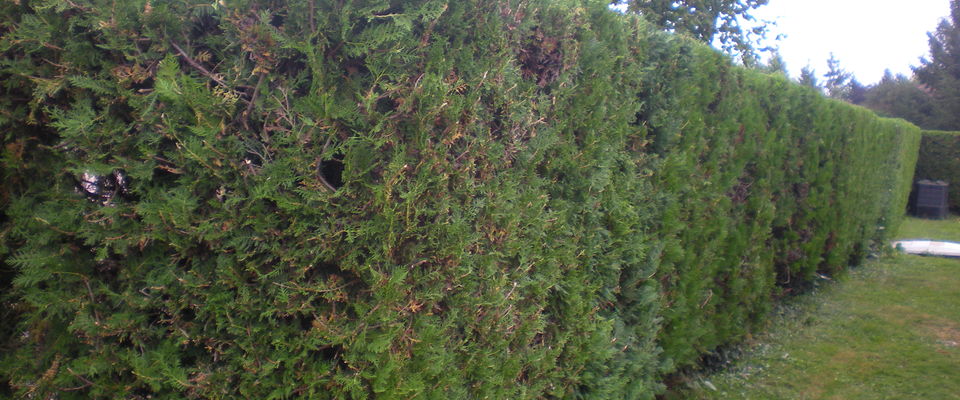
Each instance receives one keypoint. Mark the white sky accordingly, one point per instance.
(867, 36)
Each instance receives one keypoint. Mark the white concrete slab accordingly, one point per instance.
(929, 247)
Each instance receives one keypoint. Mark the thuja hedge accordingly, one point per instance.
(940, 160)
(405, 199)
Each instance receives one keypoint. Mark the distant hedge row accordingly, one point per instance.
(404, 199)
(940, 160)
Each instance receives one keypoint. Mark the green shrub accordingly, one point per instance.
(939, 160)
(418, 199)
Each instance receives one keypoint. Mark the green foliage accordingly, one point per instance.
(884, 331)
(947, 229)
(941, 72)
(769, 181)
(939, 160)
(808, 78)
(419, 199)
(706, 20)
(775, 65)
(902, 97)
(837, 80)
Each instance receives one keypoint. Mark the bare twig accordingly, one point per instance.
(322, 179)
(709, 296)
(199, 67)
(325, 144)
(86, 382)
(47, 223)
(79, 7)
(320, 166)
(313, 16)
(93, 301)
(253, 99)
(307, 289)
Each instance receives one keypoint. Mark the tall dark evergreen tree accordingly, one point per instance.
(941, 72)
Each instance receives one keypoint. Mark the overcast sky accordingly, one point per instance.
(867, 36)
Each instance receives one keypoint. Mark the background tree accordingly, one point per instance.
(902, 97)
(808, 77)
(776, 65)
(857, 92)
(837, 80)
(708, 21)
(941, 72)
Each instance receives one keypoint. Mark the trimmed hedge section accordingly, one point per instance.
(940, 160)
(419, 199)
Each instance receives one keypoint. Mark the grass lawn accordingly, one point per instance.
(887, 330)
(944, 229)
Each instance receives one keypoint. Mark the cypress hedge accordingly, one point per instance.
(940, 160)
(405, 199)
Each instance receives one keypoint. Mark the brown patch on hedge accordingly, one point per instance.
(542, 58)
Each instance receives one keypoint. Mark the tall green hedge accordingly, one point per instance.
(404, 199)
(940, 160)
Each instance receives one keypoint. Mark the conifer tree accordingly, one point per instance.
(837, 79)
(808, 78)
(898, 96)
(941, 72)
(776, 64)
(856, 92)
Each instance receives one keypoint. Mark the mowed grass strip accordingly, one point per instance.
(947, 229)
(887, 330)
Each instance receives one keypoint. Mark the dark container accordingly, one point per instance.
(931, 200)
